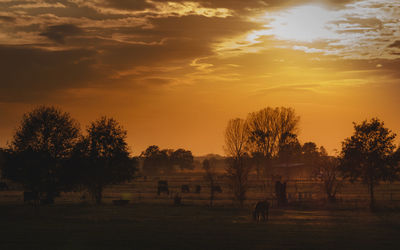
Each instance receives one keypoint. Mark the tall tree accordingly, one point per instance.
(367, 154)
(270, 129)
(289, 150)
(104, 157)
(40, 149)
(238, 166)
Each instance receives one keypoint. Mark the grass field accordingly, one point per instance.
(152, 226)
(151, 222)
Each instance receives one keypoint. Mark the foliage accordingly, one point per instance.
(103, 157)
(367, 154)
(40, 148)
(183, 158)
(290, 150)
(156, 161)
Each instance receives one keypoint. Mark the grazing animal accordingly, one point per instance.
(185, 189)
(162, 187)
(261, 211)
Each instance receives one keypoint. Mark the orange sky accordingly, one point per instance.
(174, 73)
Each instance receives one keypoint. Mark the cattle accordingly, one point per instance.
(261, 211)
(162, 187)
(198, 189)
(185, 189)
(217, 188)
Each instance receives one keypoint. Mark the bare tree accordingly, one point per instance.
(269, 129)
(238, 166)
(327, 171)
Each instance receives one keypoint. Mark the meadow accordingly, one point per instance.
(158, 226)
(151, 221)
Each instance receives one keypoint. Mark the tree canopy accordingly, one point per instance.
(367, 154)
(103, 157)
(39, 150)
(157, 161)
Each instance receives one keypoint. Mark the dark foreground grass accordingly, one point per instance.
(144, 226)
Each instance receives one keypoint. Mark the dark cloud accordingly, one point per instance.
(7, 19)
(130, 5)
(29, 73)
(396, 44)
(58, 33)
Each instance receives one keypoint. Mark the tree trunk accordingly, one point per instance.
(211, 193)
(211, 197)
(371, 193)
(98, 195)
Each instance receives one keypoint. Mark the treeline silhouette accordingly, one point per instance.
(157, 161)
(269, 137)
(49, 154)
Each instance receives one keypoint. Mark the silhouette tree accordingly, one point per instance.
(2, 161)
(40, 149)
(183, 158)
(268, 131)
(156, 161)
(238, 166)
(367, 154)
(103, 157)
(210, 176)
(327, 171)
(289, 149)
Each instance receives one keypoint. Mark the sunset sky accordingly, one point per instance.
(173, 73)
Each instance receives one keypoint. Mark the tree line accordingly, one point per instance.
(269, 136)
(48, 154)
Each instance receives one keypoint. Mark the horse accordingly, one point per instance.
(261, 210)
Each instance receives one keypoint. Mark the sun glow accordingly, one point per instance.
(303, 23)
